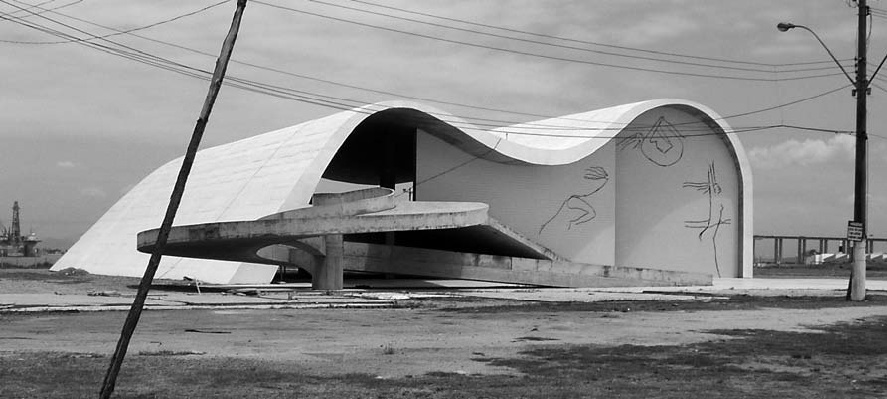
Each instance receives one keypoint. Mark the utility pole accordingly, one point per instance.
(132, 319)
(856, 290)
(856, 229)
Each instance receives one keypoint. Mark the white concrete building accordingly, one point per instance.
(655, 190)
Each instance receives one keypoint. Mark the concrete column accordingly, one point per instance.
(804, 251)
(776, 251)
(781, 250)
(754, 251)
(799, 259)
(328, 273)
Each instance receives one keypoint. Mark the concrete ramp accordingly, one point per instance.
(366, 230)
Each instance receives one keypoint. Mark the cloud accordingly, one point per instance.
(802, 153)
(65, 164)
(658, 28)
(93, 192)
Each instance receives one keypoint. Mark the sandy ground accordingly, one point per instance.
(415, 337)
(392, 342)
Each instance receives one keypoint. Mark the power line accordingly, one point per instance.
(783, 105)
(724, 60)
(543, 56)
(359, 103)
(251, 86)
(135, 55)
(11, 15)
(772, 69)
(163, 63)
(121, 32)
(343, 104)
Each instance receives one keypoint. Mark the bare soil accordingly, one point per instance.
(742, 347)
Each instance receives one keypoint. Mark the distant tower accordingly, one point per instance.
(16, 233)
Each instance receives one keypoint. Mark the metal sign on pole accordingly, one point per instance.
(855, 231)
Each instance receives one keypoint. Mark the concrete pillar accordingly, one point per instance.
(804, 251)
(776, 251)
(823, 247)
(328, 273)
(754, 251)
(802, 243)
(778, 254)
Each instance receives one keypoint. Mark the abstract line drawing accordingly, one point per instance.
(715, 218)
(663, 145)
(577, 208)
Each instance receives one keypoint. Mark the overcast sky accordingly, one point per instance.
(81, 126)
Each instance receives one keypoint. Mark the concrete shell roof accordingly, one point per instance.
(555, 141)
(280, 170)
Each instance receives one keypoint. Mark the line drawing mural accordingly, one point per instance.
(577, 206)
(663, 144)
(715, 219)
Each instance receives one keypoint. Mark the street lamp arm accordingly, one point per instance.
(784, 26)
(835, 59)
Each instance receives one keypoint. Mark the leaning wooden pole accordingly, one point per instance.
(132, 319)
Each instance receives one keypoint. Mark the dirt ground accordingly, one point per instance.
(741, 346)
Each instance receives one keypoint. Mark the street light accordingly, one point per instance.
(786, 26)
(856, 288)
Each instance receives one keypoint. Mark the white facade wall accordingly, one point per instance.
(674, 211)
(640, 200)
(567, 208)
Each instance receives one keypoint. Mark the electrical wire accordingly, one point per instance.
(357, 103)
(770, 70)
(281, 92)
(723, 60)
(135, 55)
(121, 32)
(149, 59)
(11, 15)
(543, 56)
(783, 105)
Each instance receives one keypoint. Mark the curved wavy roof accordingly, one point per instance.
(280, 170)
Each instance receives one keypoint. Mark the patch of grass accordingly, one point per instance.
(535, 339)
(736, 302)
(37, 264)
(67, 276)
(29, 276)
(170, 353)
(845, 360)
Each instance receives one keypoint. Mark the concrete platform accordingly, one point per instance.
(368, 231)
(295, 296)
